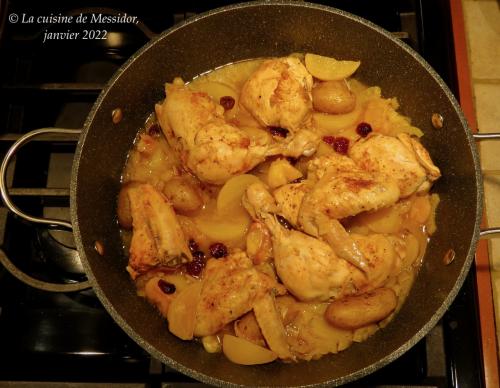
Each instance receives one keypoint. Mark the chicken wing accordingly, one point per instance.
(157, 237)
(288, 201)
(340, 194)
(402, 158)
(309, 267)
(278, 94)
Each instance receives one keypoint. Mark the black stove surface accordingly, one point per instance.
(47, 339)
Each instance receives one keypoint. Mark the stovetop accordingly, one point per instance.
(65, 338)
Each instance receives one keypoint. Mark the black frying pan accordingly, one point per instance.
(259, 30)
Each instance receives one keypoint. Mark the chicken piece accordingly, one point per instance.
(289, 199)
(303, 143)
(433, 172)
(247, 328)
(382, 262)
(213, 149)
(342, 192)
(308, 333)
(318, 166)
(332, 231)
(258, 201)
(272, 327)
(308, 267)
(278, 93)
(402, 158)
(231, 286)
(157, 237)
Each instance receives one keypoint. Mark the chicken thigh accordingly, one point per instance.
(213, 149)
(231, 287)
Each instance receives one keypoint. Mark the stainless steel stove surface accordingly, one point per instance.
(48, 338)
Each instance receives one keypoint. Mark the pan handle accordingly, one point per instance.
(46, 221)
(490, 232)
(3, 176)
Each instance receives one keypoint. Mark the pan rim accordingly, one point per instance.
(337, 381)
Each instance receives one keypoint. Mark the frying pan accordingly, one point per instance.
(264, 29)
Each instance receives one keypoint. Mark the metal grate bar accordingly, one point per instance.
(39, 192)
(66, 87)
(58, 137)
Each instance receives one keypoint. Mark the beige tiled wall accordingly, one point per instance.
(482, 23)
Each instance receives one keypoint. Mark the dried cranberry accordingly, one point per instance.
(198, 256)
(166, 287)
(227, 102)
(218, 250)
(284, 222)
(298, 180)
(193, 245)
(329, 140)
(154, 130)
(363, 129)
(194, 268)
(341, 145)
(278, 131)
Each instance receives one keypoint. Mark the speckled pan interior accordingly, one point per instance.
(258, 30)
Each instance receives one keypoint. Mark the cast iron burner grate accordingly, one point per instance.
(55, 339)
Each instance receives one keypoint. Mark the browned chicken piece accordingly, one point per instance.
(312, 271)
(402, 158)
(308, 333)
(341, 193)
(303, 143)
(247, 327)
(332, 231)
(157, 237)
(272, 327)
(213, 149)
(382, 262)
(342, 189)
(278, 93)
(318, 166)
(307, 266)
(289, 199)
(231, 286)
(257, 200)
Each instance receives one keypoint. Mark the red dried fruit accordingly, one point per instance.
(278, 131)
(329, 139)
(227, 102)
(284, 222)
(218, 250)
(363, 129)
(339, 144)
(194, 268)
(193, 245)
(166, 287)
(198, 256)
(154, 130)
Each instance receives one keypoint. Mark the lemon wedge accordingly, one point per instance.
(328, 68)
